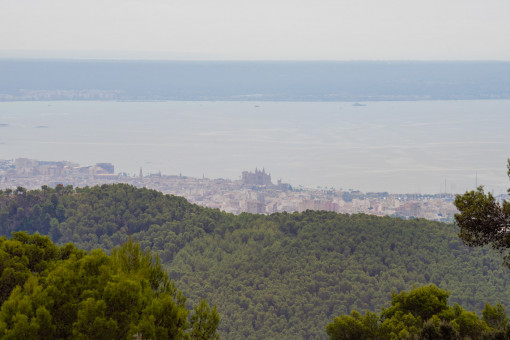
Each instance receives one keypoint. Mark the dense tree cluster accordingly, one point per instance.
(422, 313)
(279, 276)
(23, 256)
(484, 221)
(104, 216)
(63, 293)
(288, 273)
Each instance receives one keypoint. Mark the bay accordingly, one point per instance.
(395, 146)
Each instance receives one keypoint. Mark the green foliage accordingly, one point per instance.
(287, 273)
(24, 255)
(423, 302)
(95, 296)
(495, 316)
(354, 326)
(205, 321)
(279, 276)
(104, 216)
(423, 313)
(484, 221)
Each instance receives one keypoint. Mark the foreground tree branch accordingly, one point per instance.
(484, 221)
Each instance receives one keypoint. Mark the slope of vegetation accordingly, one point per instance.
(104, 216)
(51, 292)
(290, 272)
(278, 276)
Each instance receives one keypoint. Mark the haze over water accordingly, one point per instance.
(412, 146)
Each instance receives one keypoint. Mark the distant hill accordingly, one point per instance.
(283, 276)
(230, 80)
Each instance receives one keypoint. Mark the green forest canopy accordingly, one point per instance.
(51, 292)
(422, 313)
(279, 276)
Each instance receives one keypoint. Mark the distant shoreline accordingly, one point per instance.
(306, 81)
(269, 100)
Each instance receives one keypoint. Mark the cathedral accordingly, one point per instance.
(257, 178)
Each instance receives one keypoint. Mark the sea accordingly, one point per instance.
(391, 146)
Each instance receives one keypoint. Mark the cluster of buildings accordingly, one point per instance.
(253, 193)
(85, 94)
(32, 174)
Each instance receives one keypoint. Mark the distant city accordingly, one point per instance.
(254, 193)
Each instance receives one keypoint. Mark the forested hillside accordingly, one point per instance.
(278, 276)
(289, 273)
(104, 216)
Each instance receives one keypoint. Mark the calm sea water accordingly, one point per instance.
(384, 146)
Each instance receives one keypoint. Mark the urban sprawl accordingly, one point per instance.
(253, 193)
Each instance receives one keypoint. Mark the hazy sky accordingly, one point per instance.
(261, 29)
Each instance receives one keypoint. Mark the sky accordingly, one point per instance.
(256, 30)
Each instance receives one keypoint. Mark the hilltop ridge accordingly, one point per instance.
(253, 193)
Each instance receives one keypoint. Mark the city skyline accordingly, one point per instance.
(253, 193)
(259, 176)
